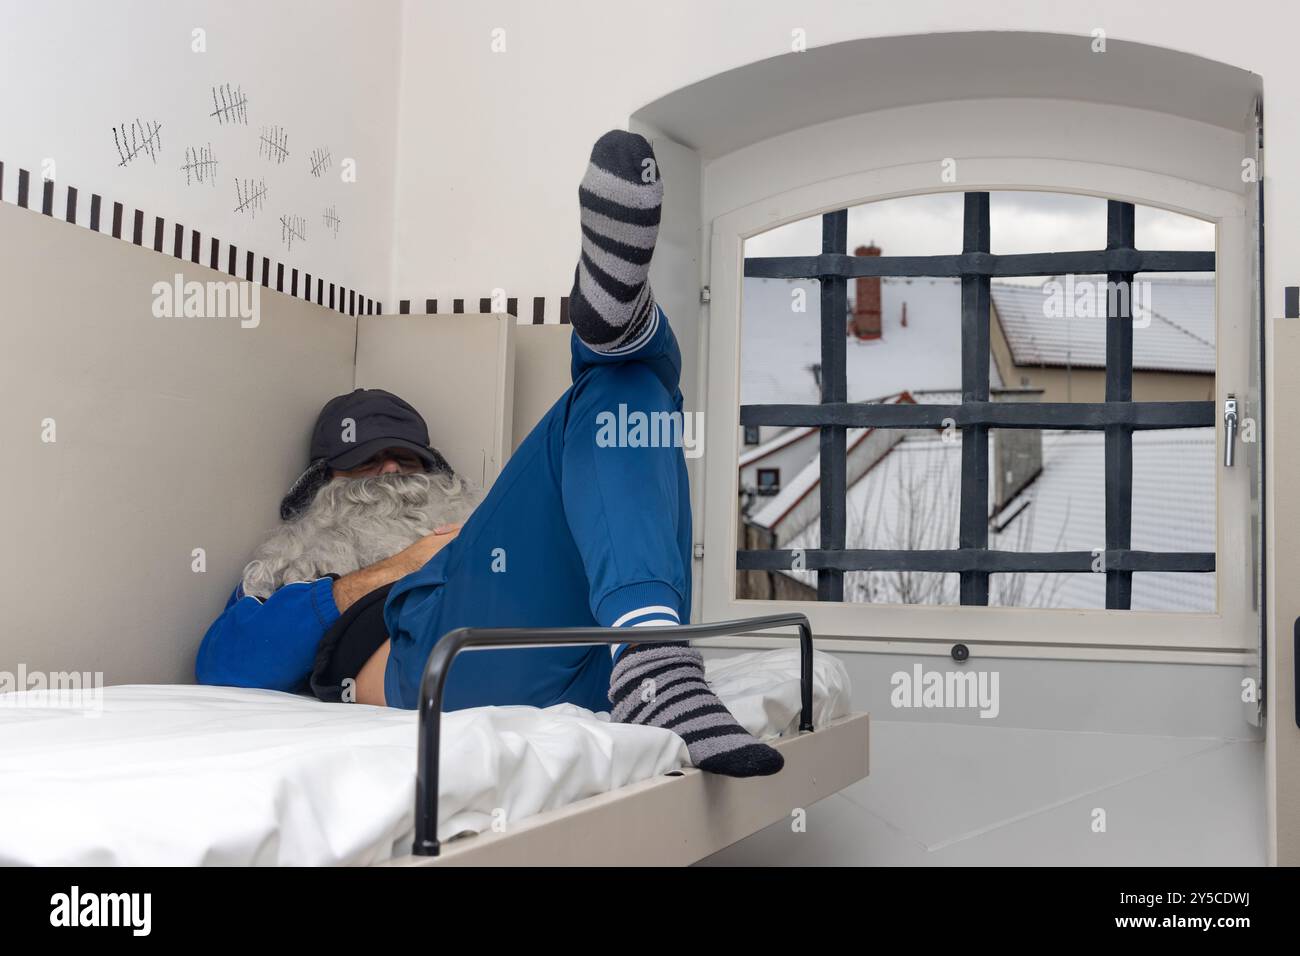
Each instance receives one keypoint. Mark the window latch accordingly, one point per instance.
(1229, 430)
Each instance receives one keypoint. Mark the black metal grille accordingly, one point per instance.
(1118, 416)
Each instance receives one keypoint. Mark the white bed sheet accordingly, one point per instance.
(192, 775)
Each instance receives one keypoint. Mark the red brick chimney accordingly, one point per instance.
(865, 323)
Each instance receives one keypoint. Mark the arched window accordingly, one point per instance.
(961, 136)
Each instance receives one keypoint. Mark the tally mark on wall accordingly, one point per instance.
(200, 165)
(291, 228)
(249, 196)
(332, 221)
(321, 161)
(229, 106)
(137, 139)
(273, 144)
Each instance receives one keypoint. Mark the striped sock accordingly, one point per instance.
(663, 685)
(611, 306)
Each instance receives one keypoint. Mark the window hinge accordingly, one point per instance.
(699, 550)
(704, 294)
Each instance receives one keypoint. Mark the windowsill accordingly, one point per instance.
(1058, 652)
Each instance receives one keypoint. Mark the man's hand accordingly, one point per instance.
(352, 587)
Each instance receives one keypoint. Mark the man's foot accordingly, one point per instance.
(663, 685)
(611, 306)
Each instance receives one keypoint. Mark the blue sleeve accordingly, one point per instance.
(271, 643)
(656, 348)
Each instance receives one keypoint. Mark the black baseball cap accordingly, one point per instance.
(350, 430)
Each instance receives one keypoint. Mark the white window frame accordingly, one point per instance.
(1222, 635)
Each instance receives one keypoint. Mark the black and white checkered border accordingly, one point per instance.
(536, 316)
(182, 241)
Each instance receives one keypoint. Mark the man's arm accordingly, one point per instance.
(267, 643)
(353, 587)
(272, 643)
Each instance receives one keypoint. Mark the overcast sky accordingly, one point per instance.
(1020, 222)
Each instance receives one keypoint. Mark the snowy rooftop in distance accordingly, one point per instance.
(1174, 331)
(759, 452)
(909, 500)
(778, 346)
(806, 479)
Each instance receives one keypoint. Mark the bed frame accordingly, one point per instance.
(627, 826)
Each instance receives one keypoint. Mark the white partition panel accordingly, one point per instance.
(542, 373)
(144, 455)
(458, 371)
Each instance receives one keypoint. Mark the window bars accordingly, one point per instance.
(1118, 416)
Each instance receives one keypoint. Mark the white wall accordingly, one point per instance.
(483, 149)
(524, 119)
(326, 71)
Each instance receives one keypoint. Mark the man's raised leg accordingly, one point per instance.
(627, 499)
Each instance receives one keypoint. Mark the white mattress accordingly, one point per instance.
(190, 775)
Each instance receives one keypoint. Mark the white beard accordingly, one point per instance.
(353, 523)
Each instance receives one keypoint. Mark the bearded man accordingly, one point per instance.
(383, 549)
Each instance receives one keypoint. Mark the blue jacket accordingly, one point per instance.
(268, 643)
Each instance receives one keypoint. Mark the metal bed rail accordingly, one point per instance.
(434, 680)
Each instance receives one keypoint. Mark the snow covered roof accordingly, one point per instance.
(759, 452)
(1173, 331)
(910, 497)
(1173, 510)
(779, 347)
(809, 477)
(793, 490)
(910, 500)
